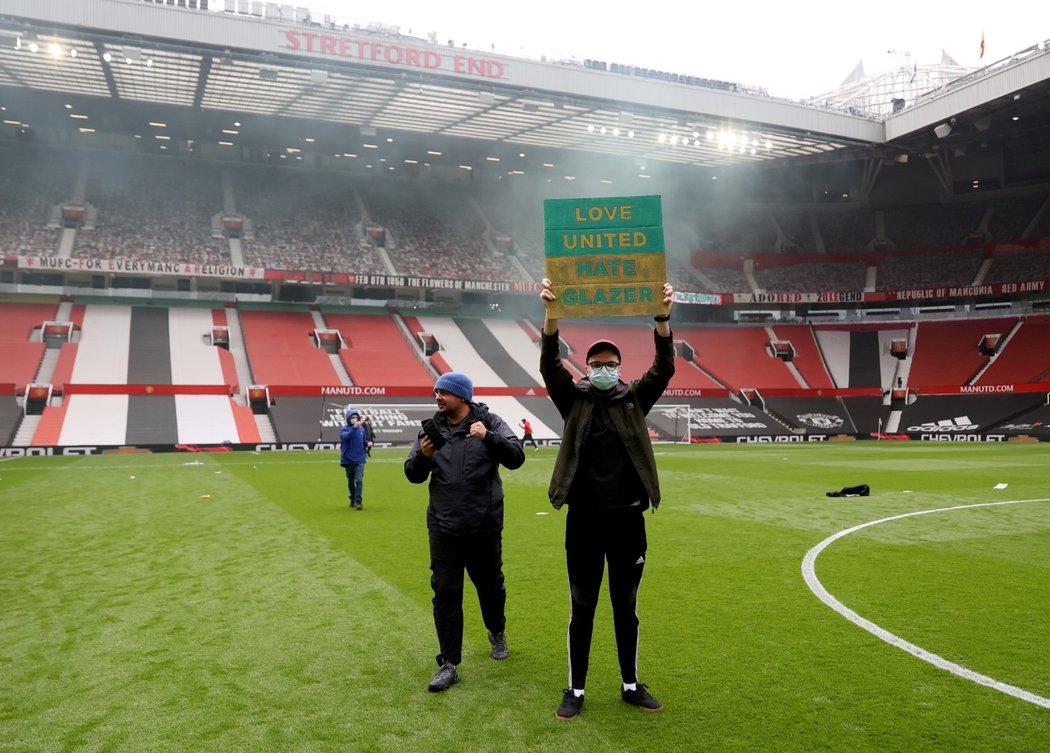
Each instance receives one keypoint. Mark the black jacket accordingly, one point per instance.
(466, 493)
(630, 404)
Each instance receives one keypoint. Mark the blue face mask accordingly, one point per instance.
(604, 378)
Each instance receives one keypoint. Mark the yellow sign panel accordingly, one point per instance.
(587, 286)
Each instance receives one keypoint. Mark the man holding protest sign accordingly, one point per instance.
(605, 471)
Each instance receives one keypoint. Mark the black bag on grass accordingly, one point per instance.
(852, 491)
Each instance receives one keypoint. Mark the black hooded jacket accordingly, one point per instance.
(466, 493)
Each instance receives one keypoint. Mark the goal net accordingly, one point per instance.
(670, 423)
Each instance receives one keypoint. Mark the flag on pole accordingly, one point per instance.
(982, 44)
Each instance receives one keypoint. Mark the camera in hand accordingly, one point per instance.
(435, 436)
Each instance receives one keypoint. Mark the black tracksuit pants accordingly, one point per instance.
(592, 538)
(480, 555)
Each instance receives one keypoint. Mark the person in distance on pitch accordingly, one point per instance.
(605, 473)
(354, 444)
(465, 515)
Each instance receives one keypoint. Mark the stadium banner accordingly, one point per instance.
(388, 52)
(350, 391)
(605, 257)
(401, 281)
(703, 299)
(139, 267)
(145, 389)
(830, 296)
(966, 291)
(893, 296)
(982, 389)
(975, 418)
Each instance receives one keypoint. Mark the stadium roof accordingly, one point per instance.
(137, 62)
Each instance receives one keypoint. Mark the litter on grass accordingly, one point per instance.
(204, 496)
(1000, 486)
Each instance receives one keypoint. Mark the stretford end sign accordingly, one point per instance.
(605, 257)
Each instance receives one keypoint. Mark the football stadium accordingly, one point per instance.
(225, 223)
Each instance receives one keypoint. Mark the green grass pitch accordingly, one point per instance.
(232, 602)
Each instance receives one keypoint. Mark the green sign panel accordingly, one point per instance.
(583, 214)
(634, 240)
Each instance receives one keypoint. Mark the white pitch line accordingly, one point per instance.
(809, 573)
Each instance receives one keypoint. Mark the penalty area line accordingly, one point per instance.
(810, 576)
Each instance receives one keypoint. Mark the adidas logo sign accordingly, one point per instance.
(959, 423)
(641, 561)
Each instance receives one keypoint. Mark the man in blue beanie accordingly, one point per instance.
(354, 444)
(461, 450)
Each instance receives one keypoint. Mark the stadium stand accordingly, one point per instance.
(432, 233)
(154, 209)
(19, 357)
(303, 221)
(102, 354)
(32, 183)
(738, 357)
(810, 277)
(1019, 267)
(281, 350)
(1025, 357)
(922, 270)
(807, 359)
(845, 229)
(948, 353)
(457, 353)
(376, 351)
(727, 279)
(933, 225)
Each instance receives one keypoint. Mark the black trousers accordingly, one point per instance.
(480, 555)
(592, 538)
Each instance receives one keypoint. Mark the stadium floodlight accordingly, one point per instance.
(942, 130)
(54, 50)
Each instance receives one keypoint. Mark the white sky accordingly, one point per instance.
(794, 49)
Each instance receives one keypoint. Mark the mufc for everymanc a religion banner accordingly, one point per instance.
(605, 257)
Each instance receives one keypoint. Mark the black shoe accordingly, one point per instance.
(445, 678)
(499, 645)
(640, 697)
(357, 505)
(570, 705)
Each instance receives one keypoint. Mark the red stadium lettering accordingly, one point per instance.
(431, 59)
(327, 44)
(393, 54)
(293, 40)
(412, 57)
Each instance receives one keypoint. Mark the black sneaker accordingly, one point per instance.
(570, 705)
(640, 697)
(445, 678)
(499, 645)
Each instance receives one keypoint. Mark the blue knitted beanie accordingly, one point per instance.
(456, 383)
